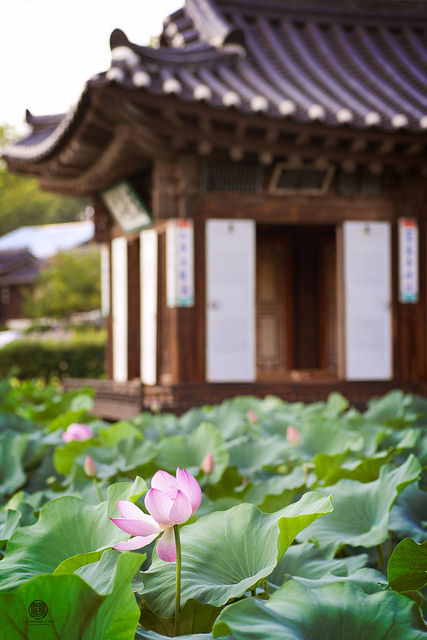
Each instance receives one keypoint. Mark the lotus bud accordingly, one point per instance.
(155, 405)
(90, 467)
(292, 435)
(208, 464)
(252, 416)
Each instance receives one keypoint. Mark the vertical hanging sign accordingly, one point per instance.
(180, 263)
(408, 260)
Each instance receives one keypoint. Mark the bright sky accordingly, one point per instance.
(49, 48)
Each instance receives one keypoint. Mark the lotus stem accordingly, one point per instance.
(380, 556)
(253, 592)
(177, 581)
(101, 497)
(390, 543)
(266, 589)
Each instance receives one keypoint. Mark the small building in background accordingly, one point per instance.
(259, 187)
(25, 251)
(18, 270)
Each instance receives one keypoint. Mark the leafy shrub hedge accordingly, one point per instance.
(80, 358)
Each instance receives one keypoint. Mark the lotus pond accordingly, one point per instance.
(256, 519)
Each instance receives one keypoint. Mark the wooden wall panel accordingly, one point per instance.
(134, 306)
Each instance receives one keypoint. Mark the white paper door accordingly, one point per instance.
(367, 283)
(230, 296)
(148, 262)
(105, 280)
(119, 282)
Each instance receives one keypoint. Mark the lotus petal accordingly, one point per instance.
(166, 549)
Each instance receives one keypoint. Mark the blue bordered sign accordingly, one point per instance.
(180, 263)
(408, 260)
(126, 206)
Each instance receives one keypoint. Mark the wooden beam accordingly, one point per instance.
(101, 172)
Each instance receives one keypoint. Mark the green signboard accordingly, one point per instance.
(126, 206)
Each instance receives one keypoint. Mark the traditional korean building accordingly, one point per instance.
(259, 186)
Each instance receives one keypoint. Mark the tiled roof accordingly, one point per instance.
(359, 64)
(18, 266)
(310, 61)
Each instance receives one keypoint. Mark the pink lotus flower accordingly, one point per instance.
(170, 501)
(90, 467)
(77, 432)
(252, 416)
(292, 435)
(208, 464)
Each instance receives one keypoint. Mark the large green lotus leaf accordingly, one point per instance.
(66, 527)
(222, 504)
(307, 561)
(64, 457)
(276, 492)
(226, 553)
(327, 435)
(230, 418)
(395, 409)
(193, 418)
(61, 410)
(231, 485)
(361, 510)
(374, 436)
(335, 405)
(189, 451)
(110, 436)
(155, 426)
(342, 610)
(11, 522)
(130, 454)
(75, 610)
(113, 574)
(249, 456)
(409, 513)
(15, 424)
(124, 491)
(195, 618)
(330, 471)
(12, 448)
(142, 634)
(275, 485)
(407, 567)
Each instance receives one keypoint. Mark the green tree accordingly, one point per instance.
(70, 283)
(23, 203)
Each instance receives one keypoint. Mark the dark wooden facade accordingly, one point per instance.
(18, 270)
(294, 119)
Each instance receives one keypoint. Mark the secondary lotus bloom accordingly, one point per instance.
(208, 464)
(252, 416)
(292, 435)
(77, 432)
(170, 501)
(89, 467)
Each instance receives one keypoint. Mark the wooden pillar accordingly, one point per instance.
(134, 347)
(411, 326)
(103, 225)
(174, 185)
